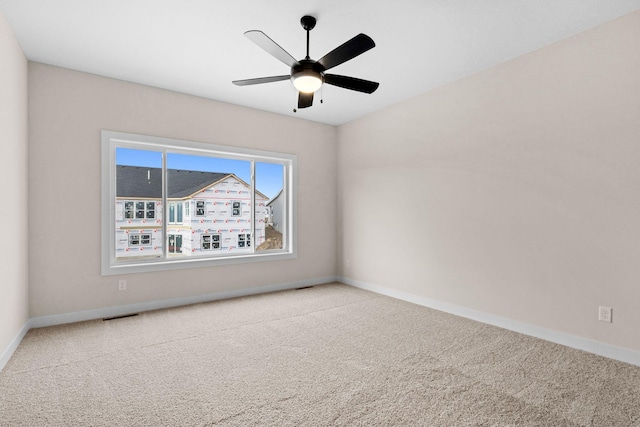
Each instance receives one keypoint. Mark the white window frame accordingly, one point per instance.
(112, 140)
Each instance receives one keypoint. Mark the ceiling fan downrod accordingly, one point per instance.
(308, 23)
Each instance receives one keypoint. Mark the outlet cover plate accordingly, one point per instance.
(605, 314)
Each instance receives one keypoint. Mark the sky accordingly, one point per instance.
(269, 176)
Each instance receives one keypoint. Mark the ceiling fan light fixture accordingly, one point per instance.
(307, 81)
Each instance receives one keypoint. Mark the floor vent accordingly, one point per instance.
(119, 317)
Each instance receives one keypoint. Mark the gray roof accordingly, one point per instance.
(146, 183)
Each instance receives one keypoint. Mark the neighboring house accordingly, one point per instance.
(276, 211)
(208, 212)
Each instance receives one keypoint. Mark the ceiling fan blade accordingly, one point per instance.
(352, 83)
(346, 51)
(262, 40)
(260, 80)
(305, 99)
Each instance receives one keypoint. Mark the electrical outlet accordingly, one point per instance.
(605, 314)
(122, 285)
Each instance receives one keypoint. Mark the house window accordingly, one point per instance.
(137, 239)
(244, 240)
(188, 204)
(175, 213)
(175, 243)
(209, 242)
(139, 210)
(236, 208)
(151, 210)
(129, 212)
(200, 208)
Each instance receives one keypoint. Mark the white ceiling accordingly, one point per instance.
(197, 46)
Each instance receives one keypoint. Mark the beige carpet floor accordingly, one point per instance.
(331, 355)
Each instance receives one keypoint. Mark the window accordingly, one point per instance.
(139, 210)
(200, 208)
(244, 240)
(209, 242)
(128, 210)
(175, 243)
(175, 212)
(170, 204)
(272, 211)
(151, 210)
(137, 239)
(236, 208)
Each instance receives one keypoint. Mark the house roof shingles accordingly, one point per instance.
(146, 183)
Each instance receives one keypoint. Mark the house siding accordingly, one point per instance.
(234, 229)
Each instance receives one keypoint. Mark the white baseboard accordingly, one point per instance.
(8, 352)
(569, 340)
(101, 313)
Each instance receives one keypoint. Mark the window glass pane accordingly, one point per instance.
(138, 204)
(172, 212)
(179, 212)
(270, 206)
(172, 243)
(221, 189)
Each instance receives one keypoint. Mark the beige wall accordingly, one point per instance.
(514, 192)
(67, 111)
(13, 203)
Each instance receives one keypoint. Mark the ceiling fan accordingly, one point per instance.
(307, 74)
